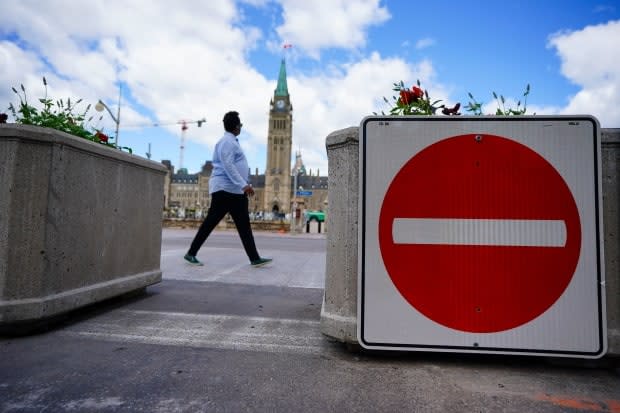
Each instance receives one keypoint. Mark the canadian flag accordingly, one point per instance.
(287, 46)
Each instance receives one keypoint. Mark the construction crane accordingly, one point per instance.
(184, 127)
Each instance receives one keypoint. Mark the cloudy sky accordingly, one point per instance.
(189, 60)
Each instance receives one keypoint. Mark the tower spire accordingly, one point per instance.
(282, 87)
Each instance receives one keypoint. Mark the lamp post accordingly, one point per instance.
(294, 203)
(100, 106)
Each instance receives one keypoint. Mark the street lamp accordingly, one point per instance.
(100, 106)
(296, 173)
(294, 200)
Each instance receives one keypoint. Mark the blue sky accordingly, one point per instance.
(195, 60)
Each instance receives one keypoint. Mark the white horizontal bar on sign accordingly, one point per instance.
(491, 232)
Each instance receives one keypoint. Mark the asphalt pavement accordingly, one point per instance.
(227, 337)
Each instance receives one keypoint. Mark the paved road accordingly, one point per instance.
(299, 260)
(230, 338)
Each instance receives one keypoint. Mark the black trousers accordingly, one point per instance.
(222, 203)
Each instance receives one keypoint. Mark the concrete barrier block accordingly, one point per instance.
(611, 225)
(339, 310)
(79, 223)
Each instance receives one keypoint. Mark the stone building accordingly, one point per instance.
(187, 195)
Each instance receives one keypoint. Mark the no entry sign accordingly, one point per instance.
(481, 235)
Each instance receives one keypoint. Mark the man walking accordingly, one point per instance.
(229, 189)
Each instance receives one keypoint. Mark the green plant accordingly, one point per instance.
(59, 115)
(416, 101)
(476, 107)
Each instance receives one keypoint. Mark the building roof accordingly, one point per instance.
(183, 177)
(282, 87)
(257, 181)
(312, 182)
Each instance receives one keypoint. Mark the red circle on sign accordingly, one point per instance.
(479, 288)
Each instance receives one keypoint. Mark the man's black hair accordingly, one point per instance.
(231, 121)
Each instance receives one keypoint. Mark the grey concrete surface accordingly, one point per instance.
(73, 224)
(339, 309)
(230, 338)
(611, 221)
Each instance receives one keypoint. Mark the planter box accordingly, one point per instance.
(79, 223)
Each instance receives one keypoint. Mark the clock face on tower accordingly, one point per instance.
(280, 104)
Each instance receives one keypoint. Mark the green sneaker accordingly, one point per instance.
(260, 262)
(191, 259)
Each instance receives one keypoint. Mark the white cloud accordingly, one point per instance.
(343, 96)
(190, 61)
(181, 62)
(424, 43)
(12, 61)
(590, 58)
(317, 24)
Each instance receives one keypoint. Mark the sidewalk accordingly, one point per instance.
(230, 338)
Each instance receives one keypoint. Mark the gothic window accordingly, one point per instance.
(279, 124)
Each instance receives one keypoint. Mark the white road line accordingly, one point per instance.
(491, 232)
(205, 330)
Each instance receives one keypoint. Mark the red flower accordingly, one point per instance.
(407, 96)
(404, 97)
(102, 137)
(417, 92)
